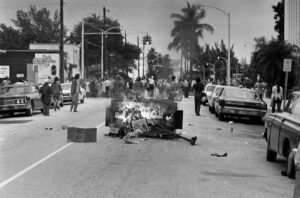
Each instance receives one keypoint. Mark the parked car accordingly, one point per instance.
(282, 133)
(66, 96)
(241, 102)
(207, 93)
(212, 98)
(20, 98)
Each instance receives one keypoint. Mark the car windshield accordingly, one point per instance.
(66, 86)
(210, 88)
(14, 90)
(238, 93)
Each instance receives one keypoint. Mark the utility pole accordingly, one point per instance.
(138, 44)
(61, 46)
(82, 50)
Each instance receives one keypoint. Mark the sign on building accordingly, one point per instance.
(4, 71)
(44, 65)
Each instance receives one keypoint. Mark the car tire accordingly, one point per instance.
(290, 165)
(221, 117)
(271, 155)
(29, 111)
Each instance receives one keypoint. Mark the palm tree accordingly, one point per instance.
(188, 29)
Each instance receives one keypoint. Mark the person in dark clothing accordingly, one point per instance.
(198, 88)
(138, 89)
(46, 97)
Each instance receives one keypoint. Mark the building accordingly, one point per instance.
(292, 21)
(19, 65)
(72, 56)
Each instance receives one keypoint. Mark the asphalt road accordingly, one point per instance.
(35, 162)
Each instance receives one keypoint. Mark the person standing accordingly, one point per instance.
(259, 87)
(198, 88)
(75, 91)
(46, 97)
(138, 89)
(173, 89)
(277, 96)
(151, 86)
(186, 88)
(56, 91)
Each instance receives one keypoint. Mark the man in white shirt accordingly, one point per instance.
(277, 96)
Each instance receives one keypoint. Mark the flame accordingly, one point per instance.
(129, 111)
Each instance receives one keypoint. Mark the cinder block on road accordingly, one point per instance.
(82, 134)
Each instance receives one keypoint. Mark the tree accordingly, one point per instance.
(188, 29)
(9, 38)
(279, 19)
(36, 26)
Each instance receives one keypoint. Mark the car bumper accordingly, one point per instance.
(67, 98)
(13, 108)
(243, 111)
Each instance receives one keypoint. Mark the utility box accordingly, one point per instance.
(82, 134)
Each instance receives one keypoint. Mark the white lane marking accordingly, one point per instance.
(100, 125)
(4, 183)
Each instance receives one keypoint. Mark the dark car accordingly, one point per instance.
(282, 133)
(240, 102)
(20, 98)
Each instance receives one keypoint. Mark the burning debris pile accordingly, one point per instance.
(131, 111)
(150, 119)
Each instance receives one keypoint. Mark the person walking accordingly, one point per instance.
(75, 91)
(277, 96)
(46, 97)
(56, 91)
(198, 88)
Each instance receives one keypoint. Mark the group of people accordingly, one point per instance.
(52, 94)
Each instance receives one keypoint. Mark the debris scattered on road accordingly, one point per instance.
(245, 142)
(231, 126)
(48, 128)
(219, 155)
(191, 125)
(219, 129)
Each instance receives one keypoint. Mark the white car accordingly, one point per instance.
(207, 93)
(212, 98)
(66, 87)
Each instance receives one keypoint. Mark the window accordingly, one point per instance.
(296, 105)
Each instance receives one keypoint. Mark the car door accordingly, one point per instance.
(36, 97)
(217, 106)
(290, 124)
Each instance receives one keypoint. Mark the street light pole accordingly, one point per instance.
(228, 62)
(102, 33)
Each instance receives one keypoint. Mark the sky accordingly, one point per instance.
(249, 19)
